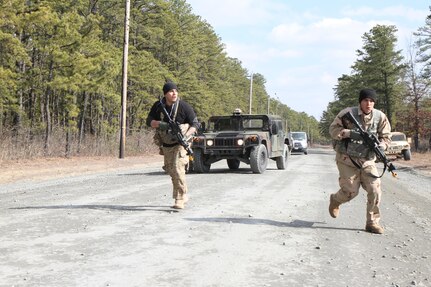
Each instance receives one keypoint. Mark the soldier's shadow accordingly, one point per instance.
(160, 208)
(144, 173)
(227, 170)
(259, 221)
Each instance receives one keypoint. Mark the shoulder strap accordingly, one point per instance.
(175, 107)
(376, 117)
(177, 104)
(355, 111)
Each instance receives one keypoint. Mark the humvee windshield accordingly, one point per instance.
(236, 124)
(398, 137)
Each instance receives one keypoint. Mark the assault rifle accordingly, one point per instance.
(372, 142)
(176, 130)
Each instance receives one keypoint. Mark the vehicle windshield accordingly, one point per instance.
(223, 124)
(298, 136)
(235, 124)
(398, 137)
(253, 124)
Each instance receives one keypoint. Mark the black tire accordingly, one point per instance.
(258, 159)
(305, 151)
(407, 154)
(233, 163)
(282, 160)
(199, 165)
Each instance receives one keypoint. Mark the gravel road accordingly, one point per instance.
(116, 228)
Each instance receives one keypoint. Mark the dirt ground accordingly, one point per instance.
(420, 162)
(47, 168)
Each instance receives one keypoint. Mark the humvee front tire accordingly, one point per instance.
(407, 155)
(233, 163)
(199, 165)
(282, 160)
(258, 158)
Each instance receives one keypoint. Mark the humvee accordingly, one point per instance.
(236, 138)
(399, 146)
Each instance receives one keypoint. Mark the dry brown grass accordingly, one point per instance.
(24, 159)
(25, 148)
(419, 161)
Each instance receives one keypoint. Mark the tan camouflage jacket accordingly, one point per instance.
(383, 134)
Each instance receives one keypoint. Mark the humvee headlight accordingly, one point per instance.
(210, 142)
(240, 142)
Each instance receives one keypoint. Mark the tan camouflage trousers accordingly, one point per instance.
(176, 159)
(351, 179)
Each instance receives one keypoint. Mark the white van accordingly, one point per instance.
(300, 142)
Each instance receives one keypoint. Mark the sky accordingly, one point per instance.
(302, 47)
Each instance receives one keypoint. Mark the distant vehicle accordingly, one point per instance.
(251, 139)
(399, 146)
(300, 142)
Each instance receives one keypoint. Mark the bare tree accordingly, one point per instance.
(417, 88)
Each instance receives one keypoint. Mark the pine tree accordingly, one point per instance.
(380, 67)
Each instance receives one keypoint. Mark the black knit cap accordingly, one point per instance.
(169, 86)
(367, 93)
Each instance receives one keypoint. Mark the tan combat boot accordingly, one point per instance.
(179, 204)
(374, 228)
(334, 206)
(185, 198)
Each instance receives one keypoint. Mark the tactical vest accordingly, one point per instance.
(356, 148)
(166, 136)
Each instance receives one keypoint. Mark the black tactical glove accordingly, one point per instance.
(163, 126)
(355, 135)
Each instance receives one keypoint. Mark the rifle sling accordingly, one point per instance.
(177, 104)
(370, 174)
(175, 107)
(360, 167)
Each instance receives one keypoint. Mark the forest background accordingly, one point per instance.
(61, 77)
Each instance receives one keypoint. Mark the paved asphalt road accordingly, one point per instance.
(239, 229)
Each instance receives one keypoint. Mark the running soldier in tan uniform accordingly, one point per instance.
(175, 155)
(356, 162)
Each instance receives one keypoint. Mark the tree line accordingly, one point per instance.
(60, 70)
(401, 82)
(60, 74)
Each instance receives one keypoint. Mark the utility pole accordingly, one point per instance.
(251, 91)
(124, 84)
(276, 103)
(269, 101)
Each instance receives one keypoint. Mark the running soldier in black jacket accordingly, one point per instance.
(175, 155)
